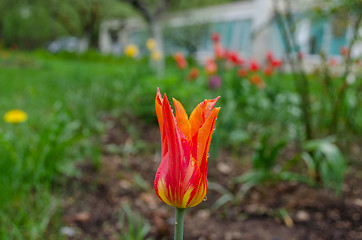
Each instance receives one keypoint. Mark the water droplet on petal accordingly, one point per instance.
(193, 162)
(205, 199)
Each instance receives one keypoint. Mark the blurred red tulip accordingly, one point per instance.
(242, 72)
(180, 60)
(219, 51)
(258, 81)
(182, 64)
(344, 51)
(215, 37)
(277, 63)
(193, 74)
(268, 71)
(233, 56)
(178, 56)
(254, 65)
(270, 56)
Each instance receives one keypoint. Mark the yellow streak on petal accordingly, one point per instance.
(199, 196)
(186, 197)
(162, 189)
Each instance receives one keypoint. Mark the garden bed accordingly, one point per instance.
(93, 204)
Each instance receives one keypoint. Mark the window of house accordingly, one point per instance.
(338, 36)
(316, 37)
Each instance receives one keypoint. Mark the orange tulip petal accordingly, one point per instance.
(182, 119)
(158, 106)
(204, 140)
(200, 114)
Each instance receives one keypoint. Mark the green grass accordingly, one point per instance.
(65, 101)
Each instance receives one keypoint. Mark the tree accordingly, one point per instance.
(31, 25)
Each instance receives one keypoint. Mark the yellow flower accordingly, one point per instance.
(15, 116)
(131, 50)
(151, 44)
(156, 55)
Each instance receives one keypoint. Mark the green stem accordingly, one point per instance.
(179, 223)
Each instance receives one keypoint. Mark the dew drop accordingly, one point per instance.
(175, 223)
(205, 199)
(193, 162)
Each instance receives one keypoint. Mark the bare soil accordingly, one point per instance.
(283, 211)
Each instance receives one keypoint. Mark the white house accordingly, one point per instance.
(247, 26)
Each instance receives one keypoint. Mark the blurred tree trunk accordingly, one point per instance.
(156, 33)
(286, 26)
(91, 25)
(152, 12)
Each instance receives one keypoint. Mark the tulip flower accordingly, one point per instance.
(181, 178)
(344, 51)
(242, 72)
(151, 44)
(233, 56)
(156, 55)
(268, 71)
(193, 74)
(131, 50)
(180, 60)
(254, 65)
(178, 56)
(270, 56)
(257, 80)
(210, 67)
(277, 63)
(219, 51)
(214, 82)
(215, 37)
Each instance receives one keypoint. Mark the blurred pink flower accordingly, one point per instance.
(214, 82)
